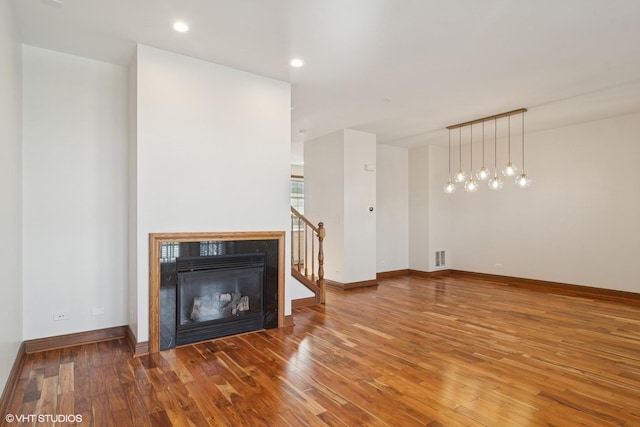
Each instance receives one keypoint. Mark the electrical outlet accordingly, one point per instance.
(498, 265)
(61, 315)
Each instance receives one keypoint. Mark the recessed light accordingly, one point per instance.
(181, 27)
(297, 62)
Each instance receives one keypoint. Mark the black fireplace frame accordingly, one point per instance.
(230, 325)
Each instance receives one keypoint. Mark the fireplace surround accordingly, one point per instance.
(245, 243)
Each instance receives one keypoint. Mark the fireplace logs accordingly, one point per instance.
(217, 306)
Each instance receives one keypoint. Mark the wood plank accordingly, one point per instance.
(435, 351)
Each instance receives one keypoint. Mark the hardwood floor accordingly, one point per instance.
(413, 351)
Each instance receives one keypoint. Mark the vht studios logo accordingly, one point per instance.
(43, 418)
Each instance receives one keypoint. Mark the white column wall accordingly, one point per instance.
(392, 195)
(419, 208)
(324, 196)
(213, 154)
(75, 193)
(10, 190)
(339, 192)
(132, 197)
(359, 196)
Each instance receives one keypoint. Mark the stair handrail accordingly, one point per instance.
(315, 280)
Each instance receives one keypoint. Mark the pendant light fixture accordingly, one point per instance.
(495, 183)
(483, 173)
(450, 187)
(471, 184)
(460, 175)
(523, 181)
(509, 169)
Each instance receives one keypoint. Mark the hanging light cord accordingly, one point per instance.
(460, 145)
(482, 145)
(471, 155)
(509, 138)
(495, 145)
(523, 143)
(449, 154)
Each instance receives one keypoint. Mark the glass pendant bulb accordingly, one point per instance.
(509, 169)
(483, 174)
(471, 185)
(450, 187)
(495, 183)
(523, 181)
(460, 176)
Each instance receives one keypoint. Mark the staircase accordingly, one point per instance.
(307, 254)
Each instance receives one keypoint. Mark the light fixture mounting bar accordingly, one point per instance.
(486, 119)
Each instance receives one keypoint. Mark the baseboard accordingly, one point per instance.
(430, 274)
(304, 302)
(394, 273)
(288, 320)
(12, 380)
(351, 285)
(136, 348)
(69, 340)
(141, 349)
(554, 287)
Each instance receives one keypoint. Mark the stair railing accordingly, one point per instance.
(305, 251)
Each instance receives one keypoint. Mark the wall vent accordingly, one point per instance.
(440, 260)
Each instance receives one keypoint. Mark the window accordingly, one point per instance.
(297, 199)
(297, 193)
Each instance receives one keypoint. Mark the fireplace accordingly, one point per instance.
(204, 289)
(219, 296)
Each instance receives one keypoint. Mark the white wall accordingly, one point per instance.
(324, 196)
(75, 193)
(297, 170)
(392, 195)
(439, 209)
(419, 208)
(10, 191)
(577, 223)
(132, 197)
(213, 154)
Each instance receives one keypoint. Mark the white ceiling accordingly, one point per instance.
(402, 69)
